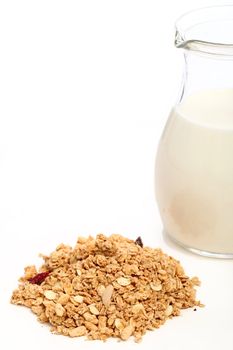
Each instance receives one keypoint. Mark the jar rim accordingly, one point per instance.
(208, 30)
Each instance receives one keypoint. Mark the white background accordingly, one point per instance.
(85, 90)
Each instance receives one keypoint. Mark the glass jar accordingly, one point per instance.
(194, 164)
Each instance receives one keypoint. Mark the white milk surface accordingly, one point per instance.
(194, 172)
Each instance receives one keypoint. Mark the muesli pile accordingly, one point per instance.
(106, 287)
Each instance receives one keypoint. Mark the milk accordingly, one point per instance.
(194, 172)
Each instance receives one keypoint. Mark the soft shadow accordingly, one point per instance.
(177, 247)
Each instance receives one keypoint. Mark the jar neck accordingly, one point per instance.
(205, 72)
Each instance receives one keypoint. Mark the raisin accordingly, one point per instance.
(39, 278)
(139, 242)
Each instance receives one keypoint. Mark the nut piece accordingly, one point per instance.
(90, 326)
(119, 324)
(123, 281)
(169, 310)
(59, 309)
(90, 318)
(156, 287)
(102, 322)
(50, 295)
(107, 295)
(79, 272)
(100, 290)
(78, 299)
(38, 310)
(63, 299)
(127, 332)
(94, 309)
(78, 331)
(137, 308)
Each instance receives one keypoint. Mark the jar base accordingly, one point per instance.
(198, 251)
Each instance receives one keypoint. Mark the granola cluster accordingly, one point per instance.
(106, 287)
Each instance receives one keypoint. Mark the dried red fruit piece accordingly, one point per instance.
(139, 242)
(39, 278)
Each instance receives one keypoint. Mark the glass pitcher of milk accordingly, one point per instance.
(194, 164)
